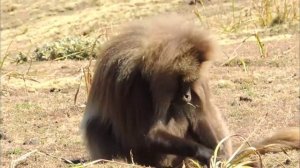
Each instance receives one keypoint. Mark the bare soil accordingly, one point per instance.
(37, 99)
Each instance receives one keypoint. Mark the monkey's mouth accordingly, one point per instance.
(192, 105)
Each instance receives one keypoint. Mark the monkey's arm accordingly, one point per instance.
(160, 138)
(208, 126)
(210, 133)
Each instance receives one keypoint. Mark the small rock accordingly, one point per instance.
(225, 84)
(270, 80)
(31, 142)
(64, 67)
(246, 99)
(31, 90)
(192, 2)
(54, 90)
(294, 75)
(287, 162)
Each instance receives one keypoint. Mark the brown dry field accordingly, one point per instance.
(37, 99)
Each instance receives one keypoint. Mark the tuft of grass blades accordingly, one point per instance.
(77, 48)
(239, 159)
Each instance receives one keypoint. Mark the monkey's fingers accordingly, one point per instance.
(204, 154)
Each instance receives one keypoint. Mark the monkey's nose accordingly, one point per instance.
(187, 98)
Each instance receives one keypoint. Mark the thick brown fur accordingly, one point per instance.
(284, 139)
(280, 141)
(150, 96)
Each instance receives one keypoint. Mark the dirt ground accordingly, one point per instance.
(256, 87)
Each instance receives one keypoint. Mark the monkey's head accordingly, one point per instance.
(174, 61)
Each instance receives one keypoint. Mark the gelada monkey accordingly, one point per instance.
(149, 100)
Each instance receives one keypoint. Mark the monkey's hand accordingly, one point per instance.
(204, 154)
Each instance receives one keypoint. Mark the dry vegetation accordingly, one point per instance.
(255, 80)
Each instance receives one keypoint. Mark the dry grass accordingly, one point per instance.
(259, 63)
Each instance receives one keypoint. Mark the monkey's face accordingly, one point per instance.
(192, 102)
